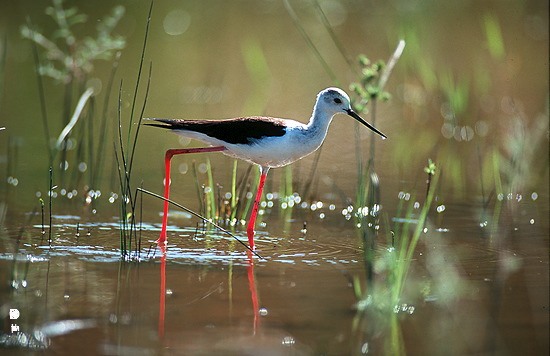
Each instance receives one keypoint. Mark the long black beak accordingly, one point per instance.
(358, 118)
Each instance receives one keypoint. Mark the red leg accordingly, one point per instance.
(252, 221)
(167, 159)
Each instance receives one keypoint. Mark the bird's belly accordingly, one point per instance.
(271, 152)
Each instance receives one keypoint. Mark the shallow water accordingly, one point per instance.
(207, 295)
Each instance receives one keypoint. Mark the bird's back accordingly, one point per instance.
(233, 131)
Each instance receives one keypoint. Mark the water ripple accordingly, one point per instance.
(100, 242)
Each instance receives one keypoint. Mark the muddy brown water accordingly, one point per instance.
(207, 295)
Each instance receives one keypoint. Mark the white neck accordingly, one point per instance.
(319, 121)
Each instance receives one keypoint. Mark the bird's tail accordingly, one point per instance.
(170, 124)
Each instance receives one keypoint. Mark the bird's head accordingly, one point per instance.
(335, 101)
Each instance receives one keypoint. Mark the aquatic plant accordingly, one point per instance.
(51, 187)
(380, 294)
(69, 60)
(406, 244)
(430, 171)
(511, 170)
(493, 35)
(298, 24)
(205, 220)
(372, 78)
(369, 89)
(125, 153)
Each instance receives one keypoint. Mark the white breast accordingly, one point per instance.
(277, 151)
(273, 152)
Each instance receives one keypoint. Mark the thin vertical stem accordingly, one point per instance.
(234, 191)
(50, 204)
(140, 68)
(210, 193)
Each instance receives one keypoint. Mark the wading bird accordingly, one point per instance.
(265, 141)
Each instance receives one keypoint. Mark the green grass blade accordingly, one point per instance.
(310, 43)
(333, 36)
(208, 221)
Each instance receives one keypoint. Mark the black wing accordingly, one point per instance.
(236, 131)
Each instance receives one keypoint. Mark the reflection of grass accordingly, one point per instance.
(379, 302)
(18, 275)
(403, 244)
(406, 244)
(513, 169)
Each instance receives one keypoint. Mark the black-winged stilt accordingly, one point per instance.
(265, 141)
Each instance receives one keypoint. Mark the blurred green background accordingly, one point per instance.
(472, 85)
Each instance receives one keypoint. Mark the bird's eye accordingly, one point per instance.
(338, 100)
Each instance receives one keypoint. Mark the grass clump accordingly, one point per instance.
(125, 153)
(69, 60)
(66, 57)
